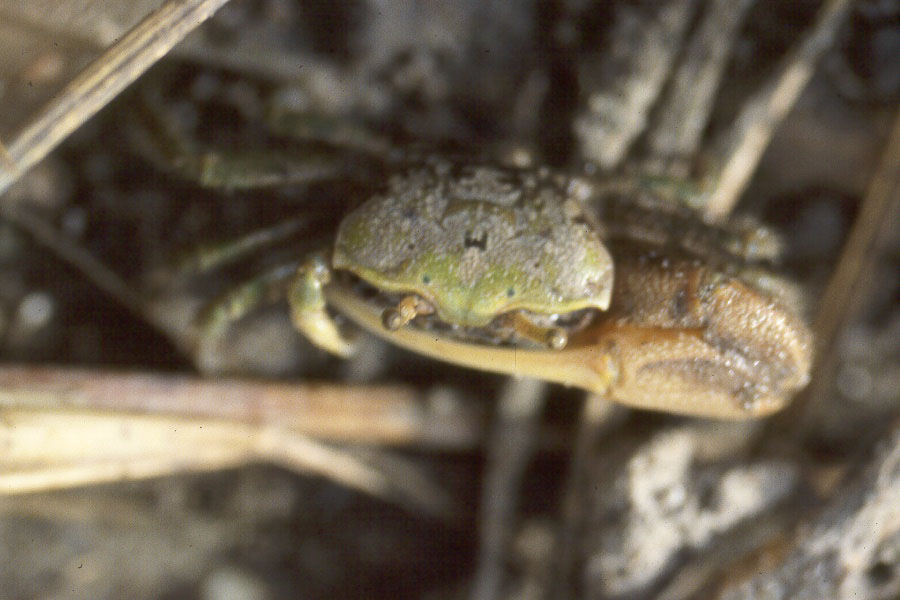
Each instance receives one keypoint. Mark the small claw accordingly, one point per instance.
(218, 316)
(308, 308)
(323, 332)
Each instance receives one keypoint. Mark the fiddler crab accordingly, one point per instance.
(608, 286)
(614, 286)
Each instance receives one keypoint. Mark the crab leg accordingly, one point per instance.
(162, 141)
(576, 367)
(607, 358)
(307, 301)
(233, 306)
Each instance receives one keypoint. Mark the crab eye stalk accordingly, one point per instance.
(392, 319)
(557, 338)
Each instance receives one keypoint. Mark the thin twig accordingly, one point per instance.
(691, 95)
(6, 159)
(82, 260)
(852, 278)
(620, 85)
(597, 417)
(512, 444)
(362, 414)
(845, 290)
(66, 427)
(47, 450)
(102, 81)
(756, 124)
(367, 474)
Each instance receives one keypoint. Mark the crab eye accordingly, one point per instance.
(426, 279)
(510, 293)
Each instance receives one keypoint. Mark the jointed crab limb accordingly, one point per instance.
(237, 303)
(588, 368)
(525, 327)
(335, 130)
(209, 258)
(238, 169)
(307, 301)
(700, 363)
(251, 170)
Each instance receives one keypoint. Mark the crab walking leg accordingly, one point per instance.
(335, 130)
(236, 304)
(208, 258)
(161, 141)
(306, 298)
(252, 170)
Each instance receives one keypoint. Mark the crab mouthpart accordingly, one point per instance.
(406, 310)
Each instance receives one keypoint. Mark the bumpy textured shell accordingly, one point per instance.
(477, 242)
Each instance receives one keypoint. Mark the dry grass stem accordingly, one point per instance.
(513, 442)
(67, 427)
(761, 115)
(363, 414)
(693, 88)
(103, 80)
(847, 286)
(851, 280)
(47, 450)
